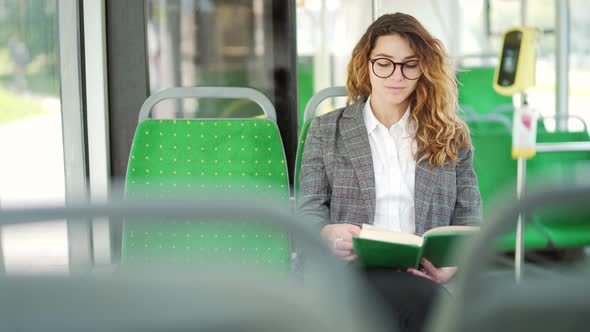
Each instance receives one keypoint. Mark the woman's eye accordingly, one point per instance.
(384, 64)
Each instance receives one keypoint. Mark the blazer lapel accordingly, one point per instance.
(424, 186)
(356, 141)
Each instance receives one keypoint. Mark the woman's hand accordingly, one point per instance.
(440, 275)
(339, 239)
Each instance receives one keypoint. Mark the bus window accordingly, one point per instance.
(31, 148)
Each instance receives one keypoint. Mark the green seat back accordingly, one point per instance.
(496, 174)
(497, 178)
(493, 163)
(213, 159)
(535, 237)
(559, 161)
(476, 90)
(567, 228)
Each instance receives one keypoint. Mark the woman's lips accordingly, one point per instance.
(395, 88)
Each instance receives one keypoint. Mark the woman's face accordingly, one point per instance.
(396, 88)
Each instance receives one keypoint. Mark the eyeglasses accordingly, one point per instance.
(384, 67)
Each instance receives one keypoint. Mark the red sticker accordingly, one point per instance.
(526, 121)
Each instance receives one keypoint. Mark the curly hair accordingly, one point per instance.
(440, 133)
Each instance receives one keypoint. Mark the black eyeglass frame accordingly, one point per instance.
(395, 64)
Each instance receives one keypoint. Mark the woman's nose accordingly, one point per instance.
(397, 74)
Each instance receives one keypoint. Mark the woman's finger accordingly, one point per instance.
(430, 269)
(353, 230)
(447, 273)
(350, 258)
(419, 273)
(344, 235)
(342, 244)
(342, 253)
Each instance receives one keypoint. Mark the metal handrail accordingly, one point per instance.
(491, 117)
(316, 100)
(563, 147)
(566, 117)
(208, 92)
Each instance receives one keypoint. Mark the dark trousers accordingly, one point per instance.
(408, 298)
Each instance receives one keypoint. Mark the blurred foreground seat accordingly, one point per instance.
(161, 295)
(548, 298)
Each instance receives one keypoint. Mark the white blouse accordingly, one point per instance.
(395, 171)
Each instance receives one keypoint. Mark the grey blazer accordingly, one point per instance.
(337, 182)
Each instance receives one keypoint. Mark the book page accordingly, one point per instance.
(371, 227)
(379, 234)
(452, 229)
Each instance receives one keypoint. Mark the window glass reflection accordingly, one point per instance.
(210, 43)
(327, 31)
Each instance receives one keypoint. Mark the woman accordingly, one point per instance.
(397, 156)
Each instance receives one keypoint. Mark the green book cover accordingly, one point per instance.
(439, 248)
(373, 253)
(384, 248)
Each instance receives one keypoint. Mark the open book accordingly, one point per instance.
(378, 247)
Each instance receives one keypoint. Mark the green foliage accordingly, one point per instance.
(35, 23)
(14, 107)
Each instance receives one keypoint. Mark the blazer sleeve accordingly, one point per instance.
(314, 189)
(468, 204)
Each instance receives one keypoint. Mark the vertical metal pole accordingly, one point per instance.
(521, 180)
(520, 224)
(98, 122)
(79, 231)
(377, 9)
(562, 63)
(321, 64)
(456, 28)
(486, 34)
(524, 8)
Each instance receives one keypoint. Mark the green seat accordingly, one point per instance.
(487, 122)
(535, 237)
(497, 181)
(476, 91)
(551, 297)
(496, 174)
(478, 97)
(493, 163)
(207, 159)
(565, 227)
